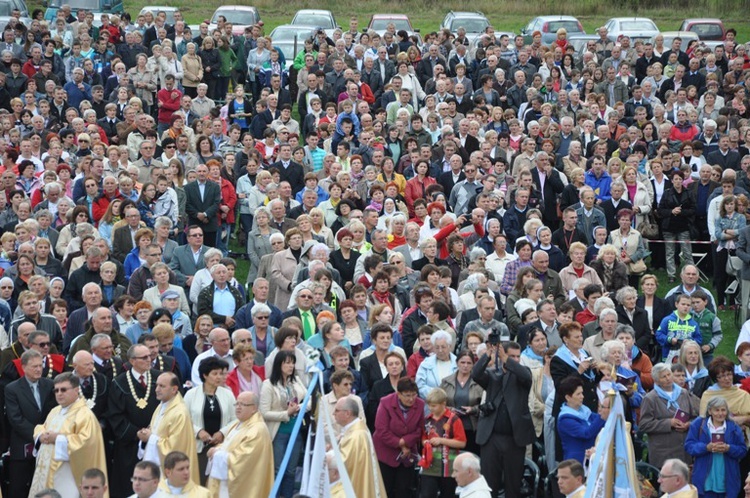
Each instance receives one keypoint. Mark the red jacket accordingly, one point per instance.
(228, 198)
(170, 103)
(100, 205)
(29, 69)
(391, 426)
(233, 382)
(416, 190)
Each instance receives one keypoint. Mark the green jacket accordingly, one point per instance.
(299, 59)
(228, 59)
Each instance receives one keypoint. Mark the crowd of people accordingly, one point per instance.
(463, 235)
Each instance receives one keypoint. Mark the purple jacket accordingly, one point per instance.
(391, 426)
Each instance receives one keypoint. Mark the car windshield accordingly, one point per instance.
(5, 9)
(570, 26)
(382, 24)
(637, 26)
(289, 35)
(707, 31)
(470, 25)
(236, 17)
(317, 20)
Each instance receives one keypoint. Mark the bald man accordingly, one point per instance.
(94, 386)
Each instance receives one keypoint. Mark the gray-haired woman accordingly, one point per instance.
(666, 413)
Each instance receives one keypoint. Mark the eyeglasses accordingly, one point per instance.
(6, 287)
(262, 317)
(306, 296)
(63, 389)
(43, 344)
(196, 235)
(668, 476)
(170, 147)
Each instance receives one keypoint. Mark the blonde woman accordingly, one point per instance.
(192, 71)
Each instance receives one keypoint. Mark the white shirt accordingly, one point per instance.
(576, 490)
(685, 488)
(195, 376)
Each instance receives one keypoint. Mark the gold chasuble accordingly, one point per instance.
(172, 430)
(191, 490)
(358, 454)
(243, 465)
(79, 447)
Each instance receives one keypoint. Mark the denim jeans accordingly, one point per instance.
(687, 251)
(280, 443)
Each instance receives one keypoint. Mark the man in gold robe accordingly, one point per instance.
(68, 443)
(570, 476)
(171, 426)
(674, 480)
(177, 478)
(357, 451)
(242, 467)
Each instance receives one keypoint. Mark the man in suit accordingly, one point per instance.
(105, 361)
(289, 170)
(279, 220)
(724, 157)
(304, 312)
(188, 259)
(314, 89)
(261, 289)
(547, 181)
(18, 347)
(109, 122)
(94, 386)
(426, 67)
(123, 238)
(28, 401)
(701, 192)
(371, 76)
(384, 65)
(282, 94)
(505, 427)
(547, 323)
(202, 200)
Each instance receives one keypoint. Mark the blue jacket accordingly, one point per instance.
(672, 327)
(698, 438)
(600, 185)
(577, 435)
(427, 375)
(132, 262)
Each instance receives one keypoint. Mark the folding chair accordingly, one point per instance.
(698, 258)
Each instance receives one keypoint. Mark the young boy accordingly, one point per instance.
(708, 323)
(677, 327)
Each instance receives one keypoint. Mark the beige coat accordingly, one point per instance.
(274, 401)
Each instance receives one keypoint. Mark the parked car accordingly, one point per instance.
(579, 41)
(669, 37)
(6, 10)
(169, 11)
(241, 16)
(636, 28)
(474, 23)
(379, 23)
(95, 6)
(548, 26)
(316, 19)
(291, 40)
(707, 29)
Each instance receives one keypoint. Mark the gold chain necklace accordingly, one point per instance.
(141, 403)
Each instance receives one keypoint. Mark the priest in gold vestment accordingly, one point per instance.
(68, 443)
(177, 480)
(171, 427)
(242, 467)
(357, 451)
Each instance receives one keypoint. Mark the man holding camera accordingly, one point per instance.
(502, 437)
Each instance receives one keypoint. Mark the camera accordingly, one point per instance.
(487, 408)
(493, 339)
(441, 287)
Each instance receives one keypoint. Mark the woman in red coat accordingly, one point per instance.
(247, 376)
(397, 437)
(416, 187)
(226, 208)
